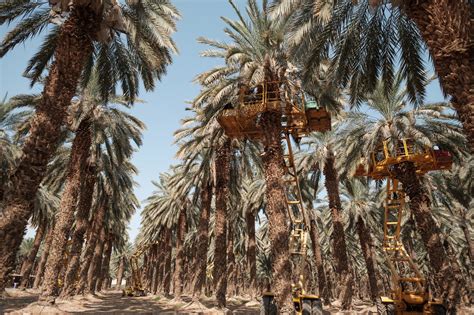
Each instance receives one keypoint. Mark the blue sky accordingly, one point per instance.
(165, 106)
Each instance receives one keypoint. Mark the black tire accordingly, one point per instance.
(268, 306)
(312, 307)
(385, 308)
(438, 309)
(306, 308)
(317, 308)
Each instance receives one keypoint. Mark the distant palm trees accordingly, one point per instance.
(87, 38)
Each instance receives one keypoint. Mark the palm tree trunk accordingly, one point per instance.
(161, 265)
(44, 258)
(366, 243)
(202, 240)
(120, 271)
(96, 264)
(324, 291)
(157, 267)
(167, 266)
(447, 28)
(74, 45)
(276, 209)
(179, 261)
(339, 240)
(82, 222)
(30, 260)
(467, 236)
(65, 216)
(145, 279)
(251, 253)
(231, 269)
(105, 266)
(90, 246)
(445, 280)
(220, 228)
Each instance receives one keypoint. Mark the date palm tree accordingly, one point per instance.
(168, 209)
(100, 126)
(455, 191)
(46, 205)
(359, 203)
(365, 36)
(257, 54)
(322, 157)
(70, 51)
(10, 119)
(427, 125)
(114, 201)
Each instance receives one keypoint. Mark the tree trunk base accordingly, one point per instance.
(46, 300)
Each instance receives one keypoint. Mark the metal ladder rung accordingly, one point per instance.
(392, 223)
(293, 202)
(392, 248)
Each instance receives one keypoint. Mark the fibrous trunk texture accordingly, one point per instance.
(44, 258)
(279, 229)
(65, 216)
(179, 261)
(30, 260)
(74, 45)
(342, 267)
(167, 266)
(447, 28)
(104, 272)
(95, 267)
(202, 241)
(231, 269)
(82, 222)
(467, 235)
(220, 227)
(120, 271)
(445, 279)
(93, 235)
(251, 253)
(367, 245)
(156, 267)
(324, 291)
(161, 264)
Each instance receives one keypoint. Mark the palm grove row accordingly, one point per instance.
(217, 224)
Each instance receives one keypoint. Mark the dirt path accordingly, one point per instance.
(24, 302)
(21, 302)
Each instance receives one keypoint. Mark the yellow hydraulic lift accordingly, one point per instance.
(409, 294)
(298, 119)
(136, 288)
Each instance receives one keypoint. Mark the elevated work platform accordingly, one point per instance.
(409, 293)
(378, 164)
(298, 117)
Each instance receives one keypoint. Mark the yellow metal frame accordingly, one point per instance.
(136, 287)
(242, 122)
(408, 284)
(425, 159)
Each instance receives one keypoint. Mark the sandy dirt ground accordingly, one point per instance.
(24, 302)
